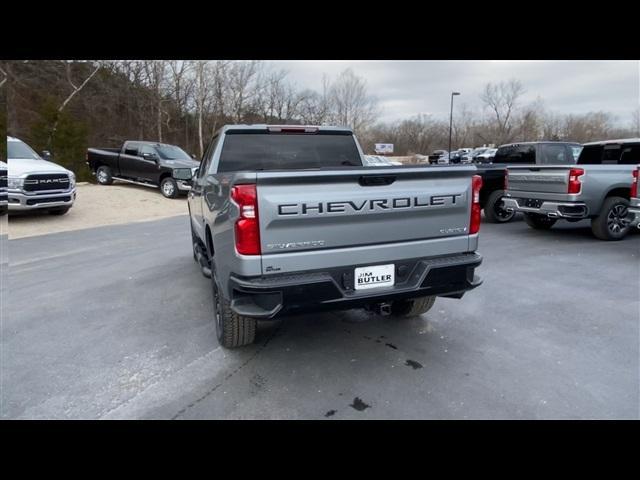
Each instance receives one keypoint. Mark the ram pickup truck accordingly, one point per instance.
(528, 153)
(3, 188)
(37, 184)
(150, 164)
(598, 187)
(287, 219)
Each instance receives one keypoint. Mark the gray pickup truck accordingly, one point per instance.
(287, 219)
(598, 187)
(634, 203)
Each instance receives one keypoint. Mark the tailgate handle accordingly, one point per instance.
(376, 180)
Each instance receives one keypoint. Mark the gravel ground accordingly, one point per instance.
(98, 205)
(122, 328)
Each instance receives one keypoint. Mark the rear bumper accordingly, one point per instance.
(553, 209)
(332, 289)
(19, 201)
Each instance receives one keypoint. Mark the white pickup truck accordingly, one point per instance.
(37, 184)
(598, 187)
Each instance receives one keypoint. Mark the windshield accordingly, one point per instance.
(270, 151)
(171, 152)
(21, 150)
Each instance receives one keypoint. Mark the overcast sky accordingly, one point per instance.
(408, 88)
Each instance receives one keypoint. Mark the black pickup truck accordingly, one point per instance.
(513, 154)
(150, 164)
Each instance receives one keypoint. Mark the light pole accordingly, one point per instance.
(451, 120)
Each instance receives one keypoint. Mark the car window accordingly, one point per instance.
(131, 149)
(21, 150)
(553, 154)
(576, 150)
(208, 156)
(611, 154)
(516, 154)
(275, 151)
(630, 155)
(147, 149)
(591, 155)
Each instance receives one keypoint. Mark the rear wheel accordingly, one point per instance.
(613, 223)
(59, 211)
(494, 211)
(413, 307)
(104, 176)
(539, 222)
(232, 330)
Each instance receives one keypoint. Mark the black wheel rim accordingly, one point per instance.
(617, 221)
(501, 213)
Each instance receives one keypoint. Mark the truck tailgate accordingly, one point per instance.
(325, 209)
(543, 179)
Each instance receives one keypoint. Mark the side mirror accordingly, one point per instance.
(195, 173)
(150, 156)
(193, 156)
(46, 154)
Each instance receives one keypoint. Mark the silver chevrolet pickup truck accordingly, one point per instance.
(288, 219)
(598, 187)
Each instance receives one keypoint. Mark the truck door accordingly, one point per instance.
(128, 159)
(195, 196)
(147, 164)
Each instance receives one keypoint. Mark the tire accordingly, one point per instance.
(169, 187)
(413, 307)
(232, 330)
(104, 175)
(539, 222)
(59, 211)
(493, 211)
(613, 222)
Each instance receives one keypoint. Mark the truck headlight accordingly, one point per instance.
(15, 183)
(72, 179)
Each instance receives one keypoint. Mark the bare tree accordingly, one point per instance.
(75, 90)
(155, 78)
(4, 77)
(242, 87)
(501, 99)
(353, 105)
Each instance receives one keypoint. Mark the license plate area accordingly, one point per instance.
(532, 202)
(378, 276)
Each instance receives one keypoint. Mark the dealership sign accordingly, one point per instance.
(384, 147)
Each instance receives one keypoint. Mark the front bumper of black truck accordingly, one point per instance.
(333, 289)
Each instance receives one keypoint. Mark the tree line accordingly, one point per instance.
(67, 106)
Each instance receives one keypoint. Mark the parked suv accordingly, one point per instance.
(287, 218)
(526, 153)
(598, 188)
(37, 184)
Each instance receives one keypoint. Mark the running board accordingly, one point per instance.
(142, 184)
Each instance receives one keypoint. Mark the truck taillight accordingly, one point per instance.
(634, 182)
(476, 185)
(247, 228)
(574, 180)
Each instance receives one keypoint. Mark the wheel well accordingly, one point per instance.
(209, 240)
(619, 192)
(163, 176)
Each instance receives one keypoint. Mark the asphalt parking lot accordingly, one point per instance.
(115, 322)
